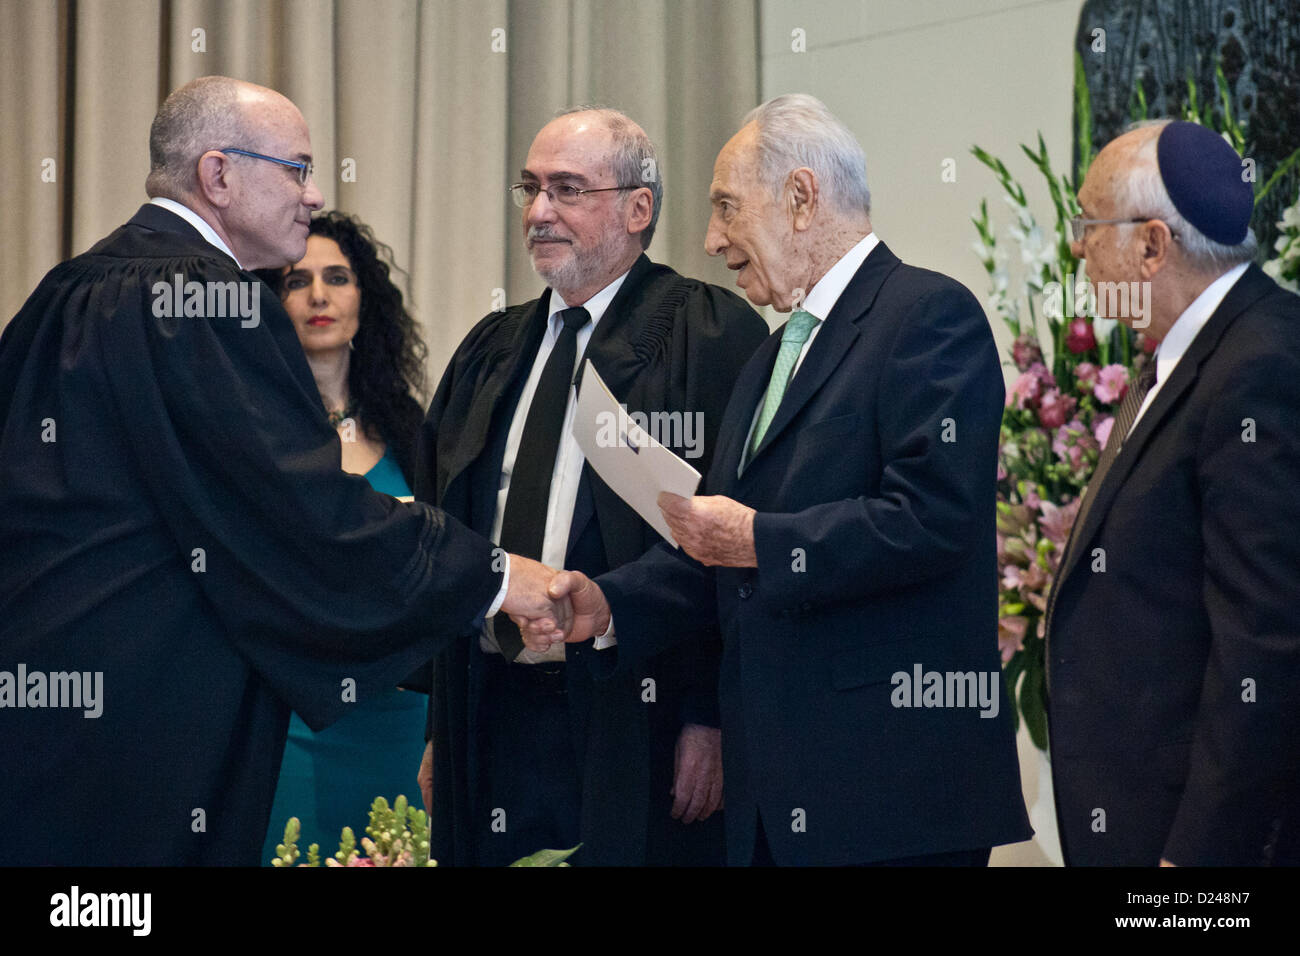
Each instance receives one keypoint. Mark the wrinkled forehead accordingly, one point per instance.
(1106, 176)
(735, 165)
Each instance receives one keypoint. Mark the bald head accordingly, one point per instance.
(212, 112)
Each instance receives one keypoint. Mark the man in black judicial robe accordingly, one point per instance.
(175, 524)
(662, 343)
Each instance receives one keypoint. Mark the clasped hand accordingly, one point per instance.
(551, 607)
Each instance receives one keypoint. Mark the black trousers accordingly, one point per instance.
(530, 792)
(763, 855)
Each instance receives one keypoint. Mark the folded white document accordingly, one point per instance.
(625, 456)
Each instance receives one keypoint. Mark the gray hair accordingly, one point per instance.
(1141, 192)
(798, 130)
(203, 114)
(633, 160)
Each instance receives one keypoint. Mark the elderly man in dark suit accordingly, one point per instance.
(1173, 629)
(846, 546)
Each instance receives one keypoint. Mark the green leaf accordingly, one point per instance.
(547, 857)
(1283, 168)
(1083, 116)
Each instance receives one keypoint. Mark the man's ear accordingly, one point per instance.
(1155, 243)
(640, 209)
(214, 174)
(801, 193)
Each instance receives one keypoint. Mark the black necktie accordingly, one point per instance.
(523, 526)
(1124, 418)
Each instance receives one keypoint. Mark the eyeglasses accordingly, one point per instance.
(1078, 225)
(566, 194)
(304, 169)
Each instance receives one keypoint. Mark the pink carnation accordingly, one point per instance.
(1112, 383)
(1030, 386)
(1025, 352)
(1054, 408)
(1079, 337)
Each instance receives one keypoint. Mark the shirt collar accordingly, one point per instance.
(831, 286)
(197, 221)
(1193, 319)
(595, 306)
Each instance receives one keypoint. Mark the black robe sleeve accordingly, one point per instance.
(174, 517)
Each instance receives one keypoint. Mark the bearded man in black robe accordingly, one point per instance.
(182, 559)
(526, 750)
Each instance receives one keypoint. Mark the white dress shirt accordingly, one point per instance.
(197, 221)
(569, 459)
(818, 303)
(1184, 331)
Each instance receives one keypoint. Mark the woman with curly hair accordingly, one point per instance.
(367, 357)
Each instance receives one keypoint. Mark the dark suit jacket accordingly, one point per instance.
(876, 552)
(666, 343)
(1174, 675)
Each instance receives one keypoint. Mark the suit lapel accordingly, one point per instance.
(832, 342)
(1252, 286)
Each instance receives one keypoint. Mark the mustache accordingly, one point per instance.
(543, 233)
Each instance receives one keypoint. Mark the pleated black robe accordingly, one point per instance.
(665, 344)
(173, 517)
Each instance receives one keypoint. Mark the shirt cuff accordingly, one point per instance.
(607, 639)
(500, 599)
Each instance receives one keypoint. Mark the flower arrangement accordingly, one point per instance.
(1073, 371)
(397, 836)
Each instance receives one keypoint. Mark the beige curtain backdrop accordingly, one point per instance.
(421, 113)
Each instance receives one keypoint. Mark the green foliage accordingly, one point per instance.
(396, 836)
(547, 858)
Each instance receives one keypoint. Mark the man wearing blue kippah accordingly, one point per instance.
(1173, 630)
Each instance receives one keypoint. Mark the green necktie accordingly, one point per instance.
(796, 334)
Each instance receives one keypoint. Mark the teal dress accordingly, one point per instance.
(329, 779)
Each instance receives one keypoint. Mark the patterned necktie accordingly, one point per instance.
(523, 526)
(1124, 418)
(795, 335)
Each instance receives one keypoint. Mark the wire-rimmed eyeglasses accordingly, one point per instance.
(566, 194)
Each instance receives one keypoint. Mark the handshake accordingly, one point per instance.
(550, 607)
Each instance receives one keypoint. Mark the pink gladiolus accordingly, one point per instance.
(1055, 523)
(1080, 338)
(1112, 383)
(1011, 635)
